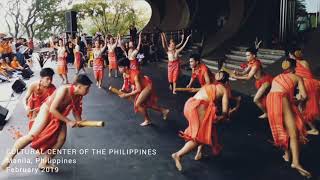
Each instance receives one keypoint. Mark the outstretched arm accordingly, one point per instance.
(139, 42)
(105, 44)
(136, 91)
(241, 73)
(164, 42)
(117, 41)
(191, 81)
(182, 39)
(185, 43)
(124, 50)
(248, 76)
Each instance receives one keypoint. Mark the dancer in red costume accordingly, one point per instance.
(132, 54)
(112, 44)
(310, 109)
(37, 94)
(78, 56)
(174, 61)
(263, 80)
(199, 71)
(62, 67)
(144, 92)
(49, 128)
(222, 78)
(285, 120)
(98, 62)
(200, 111)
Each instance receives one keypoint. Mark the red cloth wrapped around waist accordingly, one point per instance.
(174, 62)
(275, 116)
(134, 64)
(152, 99)
(98, 64)
(201, 132)
(265, 78)
(48, 136)
(311, 110)
(62, 61)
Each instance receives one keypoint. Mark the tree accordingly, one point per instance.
(300, 7)
(51, 23)
(12, 16)
(41, 17)
(110, 17)
(40, 12)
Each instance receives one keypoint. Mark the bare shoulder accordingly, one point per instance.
(305, 63)
(220, 87)
(34, 85)
(63, 89)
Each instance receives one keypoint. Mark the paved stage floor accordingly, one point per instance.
(248, 153)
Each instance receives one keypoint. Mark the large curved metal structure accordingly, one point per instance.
(201, 16)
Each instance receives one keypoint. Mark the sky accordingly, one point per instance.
(310, 4)
(65, 3)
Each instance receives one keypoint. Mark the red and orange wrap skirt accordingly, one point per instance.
(112, 61)
(62, 67)
(173, 70)
(98, 68)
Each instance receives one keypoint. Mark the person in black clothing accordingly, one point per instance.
(83, 45)
(133, 33)
(70, 54)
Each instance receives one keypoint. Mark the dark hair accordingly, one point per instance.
(124, 62)
(225, 77)
(292, 62)
(82, 79)
(252, 50)
(46, 72)
(195, 56)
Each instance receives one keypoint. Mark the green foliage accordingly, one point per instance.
(110, 17)
(107, 16)
(300, 7)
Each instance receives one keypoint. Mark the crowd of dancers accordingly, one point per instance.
(289, 100)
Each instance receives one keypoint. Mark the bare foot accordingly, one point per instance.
(174, 92)
(165, 114)
(302, 171)
(145, 123)
(313, 132)
(263, 116)
(286, 157)
(198, 155)
(177, 161)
